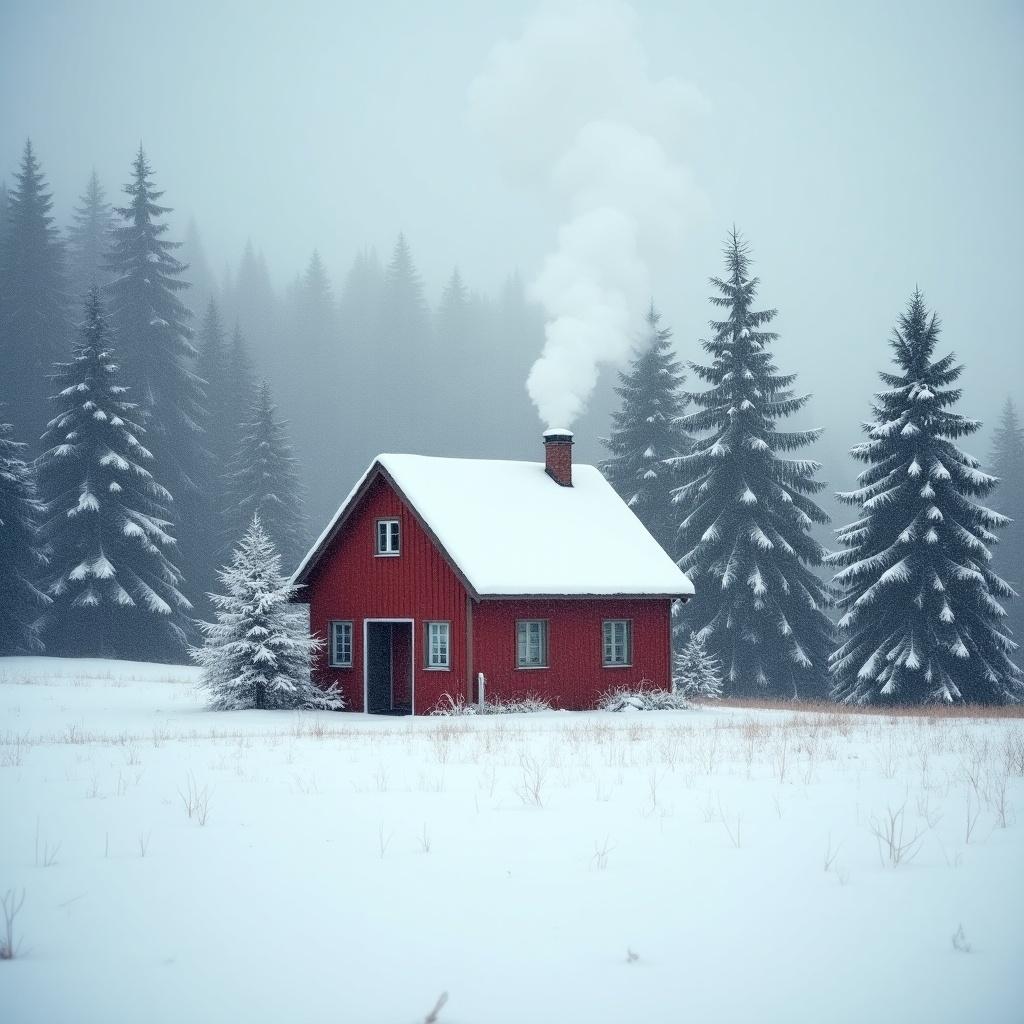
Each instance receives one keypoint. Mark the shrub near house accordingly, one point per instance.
(535, 575)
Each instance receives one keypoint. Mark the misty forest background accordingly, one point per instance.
(215, 394)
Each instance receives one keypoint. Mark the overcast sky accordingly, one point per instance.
(863, 149)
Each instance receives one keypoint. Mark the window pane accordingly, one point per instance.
(341, 643)
(531, 643)
(616, 642)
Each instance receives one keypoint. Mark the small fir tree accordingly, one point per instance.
(745, 538)
(698, 673)
(89, 241)
(34, 324)
(646, 433)
(258, 653)
(1008, 498)
(21, 556)
(114, 588)
(922, 617)
(264, 481)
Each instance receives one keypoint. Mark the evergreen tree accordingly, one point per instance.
(403, 351)
(240, 390)
(215, 370)
(21, 555)
(113, 585)
(5, 210)
(922, 621)
(646, 433)
(202, 284)
(255, 308)
(153, 336)
(745, 537)
(317, 315)
(696, 672)
(1008, 466)
(361, 300)
(264, 482)
(33, 316)
(454, 392)
(158, 360)
(258, 653)
(89, 241)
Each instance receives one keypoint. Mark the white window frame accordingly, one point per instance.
(334, 661)
(437, 646)
(388, 538)
(523, 629)
(617, 634)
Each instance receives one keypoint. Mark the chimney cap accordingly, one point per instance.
(558, 434)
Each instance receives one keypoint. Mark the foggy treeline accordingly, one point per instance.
(199, 399)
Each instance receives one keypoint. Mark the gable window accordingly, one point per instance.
(387, 537)
(532, 643)
(438, 645)
(341, 645)
(617, 637)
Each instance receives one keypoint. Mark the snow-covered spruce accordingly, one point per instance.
(264, 481)
(114, 588)
(922, 621)
(697, 673)
(158, 359)
(624, 698)
(645, 432)
(746, 542)
(21, 556)
(1008, 498)
(258, 653)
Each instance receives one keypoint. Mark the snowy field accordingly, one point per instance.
(711, 865)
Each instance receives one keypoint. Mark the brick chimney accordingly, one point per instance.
(558, 455)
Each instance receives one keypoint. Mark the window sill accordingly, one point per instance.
(531, 668)
(332, 665)
(387, 554)
(437, 668)
(617, 665)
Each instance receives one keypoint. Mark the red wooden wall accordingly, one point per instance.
(351, 582)
(575, 677)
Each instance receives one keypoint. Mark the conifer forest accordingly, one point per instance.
(176, 363)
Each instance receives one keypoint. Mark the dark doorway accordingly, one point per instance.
(389, 668)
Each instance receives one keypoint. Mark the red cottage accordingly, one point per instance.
(439, 576)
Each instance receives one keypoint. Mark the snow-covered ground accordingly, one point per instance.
(712, 865)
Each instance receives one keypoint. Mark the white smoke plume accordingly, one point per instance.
(571, 107)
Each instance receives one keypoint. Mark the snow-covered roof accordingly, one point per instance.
(511, 530)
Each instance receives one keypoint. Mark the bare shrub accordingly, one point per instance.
(435, 1014)
(626, 698)
(830, 853)
(960, 943)
(11, 903)
(894, 846)
(449, 706)
(600, 858)
(533, 778)
(196, 800)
